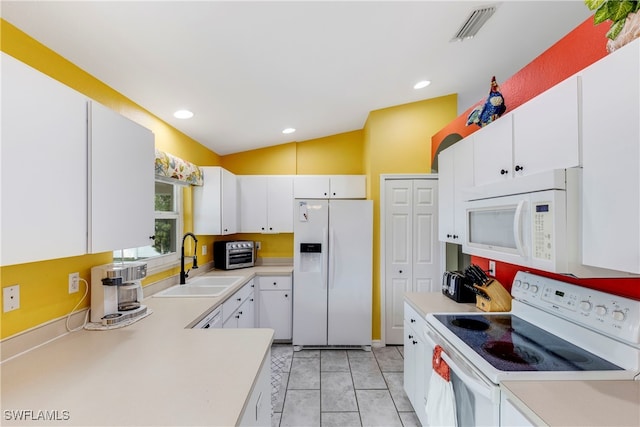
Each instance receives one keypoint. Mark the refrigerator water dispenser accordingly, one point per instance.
(310, 257)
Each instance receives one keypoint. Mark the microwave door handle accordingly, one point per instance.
(474, 383)
(517, 228)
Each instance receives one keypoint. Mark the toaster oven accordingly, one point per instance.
(229, 255)
(455, 286)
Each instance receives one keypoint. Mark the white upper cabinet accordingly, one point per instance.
(266, 203)
(121, 183)
(215, 204)
(611, 155)
(455, 174)
(44, 167)
(493, 151)
(329, 187)
(540, 135)
(546, 130)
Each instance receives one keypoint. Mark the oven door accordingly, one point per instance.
(477, 398)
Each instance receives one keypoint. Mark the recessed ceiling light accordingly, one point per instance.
(183, 114)
(422, 84)
(288, 130)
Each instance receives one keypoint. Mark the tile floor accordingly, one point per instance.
(339, 388)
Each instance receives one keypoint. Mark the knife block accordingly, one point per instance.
(492, 296)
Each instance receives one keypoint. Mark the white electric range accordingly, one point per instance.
(555, 331)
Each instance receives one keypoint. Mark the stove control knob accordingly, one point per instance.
(517, 283)
(585, 305)
(601, 310)
(525, 285)
(618, 315)
(534, 288)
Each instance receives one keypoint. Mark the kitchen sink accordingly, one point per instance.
(206, 286)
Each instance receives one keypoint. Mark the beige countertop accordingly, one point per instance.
(577, 403)
(153, 372)
(436, 302)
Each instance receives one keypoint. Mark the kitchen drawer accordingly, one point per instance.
(274, 283)
(413, 318)
(236, 300)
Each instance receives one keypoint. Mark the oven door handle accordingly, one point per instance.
(470, 380)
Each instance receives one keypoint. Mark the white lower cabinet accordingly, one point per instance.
(416, 362)
(276, 307)
(510, 415)
(239, 310)
(257, 411)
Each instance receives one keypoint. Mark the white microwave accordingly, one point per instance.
(525, 229)
(532, 221)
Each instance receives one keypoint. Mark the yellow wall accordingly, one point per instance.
(44, 285)
(340, 154)
(398, 140)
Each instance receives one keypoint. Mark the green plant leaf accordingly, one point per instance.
(602, 14)
(615, 29)
(620, 9)
(594, 4)
(637, 7)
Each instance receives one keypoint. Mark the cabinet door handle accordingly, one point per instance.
(503, 171)
(519, 168)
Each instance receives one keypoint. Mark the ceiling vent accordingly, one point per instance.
(474, 22)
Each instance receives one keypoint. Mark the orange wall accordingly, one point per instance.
(580, 48)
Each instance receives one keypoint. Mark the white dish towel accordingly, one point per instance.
(441, 401)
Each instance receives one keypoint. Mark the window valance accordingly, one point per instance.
(170, 166)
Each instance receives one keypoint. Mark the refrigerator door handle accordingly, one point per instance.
(332, 268)
(324, 257)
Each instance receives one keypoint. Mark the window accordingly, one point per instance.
(168, 229)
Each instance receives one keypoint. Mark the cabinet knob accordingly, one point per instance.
(503, 171)
(251, 299)
(237, 316)
(415, 342)
(325, 194)
(334, 194)
(455, 236)
(449, 236)
(275, 283)
(519, 168)
(410, 337)
(400, 271)
(152, 237)
(239, 299)
(413, 320)
(262, 228)
(286, 295)
(270, 228)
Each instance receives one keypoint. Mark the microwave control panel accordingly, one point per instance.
(542, 230)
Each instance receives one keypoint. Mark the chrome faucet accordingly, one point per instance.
(183, 274)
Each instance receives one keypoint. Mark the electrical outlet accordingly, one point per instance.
(492, 268)
(258, 245)
(74, 282)
(11, 298)
(204, 249)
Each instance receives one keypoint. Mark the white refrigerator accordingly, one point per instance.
(332, 293)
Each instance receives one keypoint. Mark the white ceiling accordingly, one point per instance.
(250, 69)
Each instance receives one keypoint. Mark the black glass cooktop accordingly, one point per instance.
(509, 343)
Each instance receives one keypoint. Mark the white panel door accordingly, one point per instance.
(398, 254)
(44, 167)
(412, 249)
(350, 272)
(426, 253)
